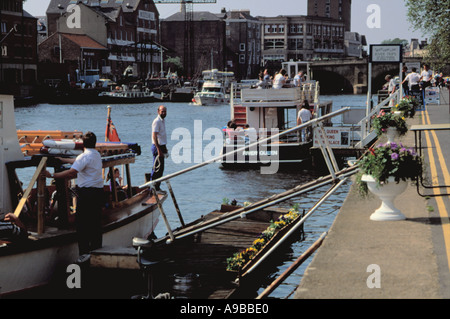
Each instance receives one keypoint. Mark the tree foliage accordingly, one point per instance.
(432, 17)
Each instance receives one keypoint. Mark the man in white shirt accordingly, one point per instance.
(426, 77)
(159, 145)
(413, 79)
(298, 79)
(304, 115)
(87, 168)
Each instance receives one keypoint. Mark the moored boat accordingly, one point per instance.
(52, 242)
(264, 113)
(212, 93)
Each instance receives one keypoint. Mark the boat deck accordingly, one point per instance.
(202, 258)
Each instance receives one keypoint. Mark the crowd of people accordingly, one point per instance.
(279, 80)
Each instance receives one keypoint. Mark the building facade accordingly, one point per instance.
(304, 38)
(129, 30)
(207, 49)
(18, 58)
(243, 43)
(340, 10)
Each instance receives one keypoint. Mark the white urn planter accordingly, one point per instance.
(392, 134)
(387, 192)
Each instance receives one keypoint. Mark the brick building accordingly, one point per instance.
(18, 58)
(340, 10)
(129, 30)
(243, 43)
(208, 45)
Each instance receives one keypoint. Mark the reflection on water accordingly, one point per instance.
(203, 190)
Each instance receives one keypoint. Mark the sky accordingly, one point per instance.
(387, 18)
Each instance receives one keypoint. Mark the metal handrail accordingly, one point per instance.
(220, 157)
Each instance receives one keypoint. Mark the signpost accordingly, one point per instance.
(383, 53)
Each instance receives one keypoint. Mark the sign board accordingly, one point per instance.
(386, 53)
(432, 95)
(337, 136)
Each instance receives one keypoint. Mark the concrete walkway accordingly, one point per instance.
(408, 259)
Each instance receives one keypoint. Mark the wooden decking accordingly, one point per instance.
(204, 254)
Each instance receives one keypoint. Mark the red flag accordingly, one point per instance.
(111, 132)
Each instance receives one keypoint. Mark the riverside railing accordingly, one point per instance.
(317, 122)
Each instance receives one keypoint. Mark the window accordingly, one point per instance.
(242, 58)
(242, 47)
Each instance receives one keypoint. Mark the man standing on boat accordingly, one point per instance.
(304, 115)
(87, 168)
(159, 142)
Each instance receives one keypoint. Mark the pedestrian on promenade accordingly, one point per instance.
(413, 79)
(159, 145)
(391, 88)
(425, 77)
(87, 168)
(405, 85)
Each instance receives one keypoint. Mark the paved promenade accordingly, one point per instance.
(411, 257)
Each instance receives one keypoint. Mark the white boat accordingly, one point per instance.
(51, 244)
(212, 93)
(216, 88)
(268, 112)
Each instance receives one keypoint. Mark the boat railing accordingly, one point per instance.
(317, 123)
(367, 132)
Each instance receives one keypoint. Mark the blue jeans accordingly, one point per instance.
(158, 167)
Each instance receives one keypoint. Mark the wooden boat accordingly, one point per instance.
(51, 242)
(268, 112)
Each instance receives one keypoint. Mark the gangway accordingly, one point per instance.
(334, 177)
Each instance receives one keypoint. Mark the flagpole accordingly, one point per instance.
(107, 122)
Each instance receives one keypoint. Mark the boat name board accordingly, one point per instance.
(337, 136)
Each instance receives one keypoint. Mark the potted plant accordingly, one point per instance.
(407, 106)
(385, 171)
(390, 124)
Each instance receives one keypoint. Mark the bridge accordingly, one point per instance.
(350, 76)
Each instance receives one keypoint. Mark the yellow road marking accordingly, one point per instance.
(440, 202)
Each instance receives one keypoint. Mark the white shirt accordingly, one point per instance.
(413, 78)
(279, 81)
(391, 85)
(297, 80)
(89, 167)
(304, 115)
(426, 75)
(159, 126)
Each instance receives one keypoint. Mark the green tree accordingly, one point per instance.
(432, 17)
(395, 41)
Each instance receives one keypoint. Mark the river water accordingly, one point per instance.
(203, 190)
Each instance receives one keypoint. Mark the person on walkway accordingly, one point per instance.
(159, 145)
(304, 115)
(87, 168)
(405, 85)
(413, 79)
(425, 77)
(391, 88)
(279, 80)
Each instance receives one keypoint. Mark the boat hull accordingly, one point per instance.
(279, 154)
(35, 263)
(208, 101)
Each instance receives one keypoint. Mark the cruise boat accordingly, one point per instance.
(50, 244)
(263, 113)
